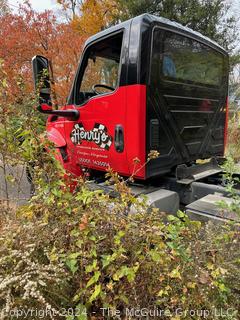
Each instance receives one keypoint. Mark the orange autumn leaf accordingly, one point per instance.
(83, 223)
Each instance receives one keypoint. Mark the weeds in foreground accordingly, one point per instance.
(84, 255)
(84, 251)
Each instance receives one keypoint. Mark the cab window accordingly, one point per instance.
(101, 68)
(182, 59)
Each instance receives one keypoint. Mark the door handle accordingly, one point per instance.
(119, 138)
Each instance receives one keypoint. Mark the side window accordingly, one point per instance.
(101, 68)
(183, 59)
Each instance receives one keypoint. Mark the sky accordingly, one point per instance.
(38, 5)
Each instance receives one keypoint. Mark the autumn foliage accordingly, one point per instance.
(29, 33)
(95, 16)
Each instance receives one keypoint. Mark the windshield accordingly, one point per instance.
(100, 68)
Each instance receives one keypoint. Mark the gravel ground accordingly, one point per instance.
(14, 185)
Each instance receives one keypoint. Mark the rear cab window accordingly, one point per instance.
(100, 70)
(181, 59)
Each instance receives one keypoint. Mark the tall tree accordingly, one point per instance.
(91, 16)
(95, 16)
(70, 7)
(28, 33)
(234, 81)
(210, 17)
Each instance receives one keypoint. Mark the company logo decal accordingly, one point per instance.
(98, 135)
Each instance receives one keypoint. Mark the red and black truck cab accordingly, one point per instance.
(145, 84)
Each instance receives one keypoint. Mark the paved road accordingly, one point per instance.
(14, 184)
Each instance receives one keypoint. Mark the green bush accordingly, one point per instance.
(233, 148)
(88, 251)
(85, 251)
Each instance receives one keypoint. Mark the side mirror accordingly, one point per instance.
(42, 83)
(41, 76)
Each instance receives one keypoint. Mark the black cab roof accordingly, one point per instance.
(149, 19)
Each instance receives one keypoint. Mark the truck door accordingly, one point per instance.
(97, 139)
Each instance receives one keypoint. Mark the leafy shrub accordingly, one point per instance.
(93, 252)
(85, 251)
(232, 185)
(233, 149)
(27, 278)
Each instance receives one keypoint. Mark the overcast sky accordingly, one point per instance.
(39, 5)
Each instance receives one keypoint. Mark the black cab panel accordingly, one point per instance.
(186, 98)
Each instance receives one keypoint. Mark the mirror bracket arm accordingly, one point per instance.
(69, 114)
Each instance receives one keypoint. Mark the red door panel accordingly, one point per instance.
(135, 141)
(90, 140)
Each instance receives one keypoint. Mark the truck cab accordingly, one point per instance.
(145, 84)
